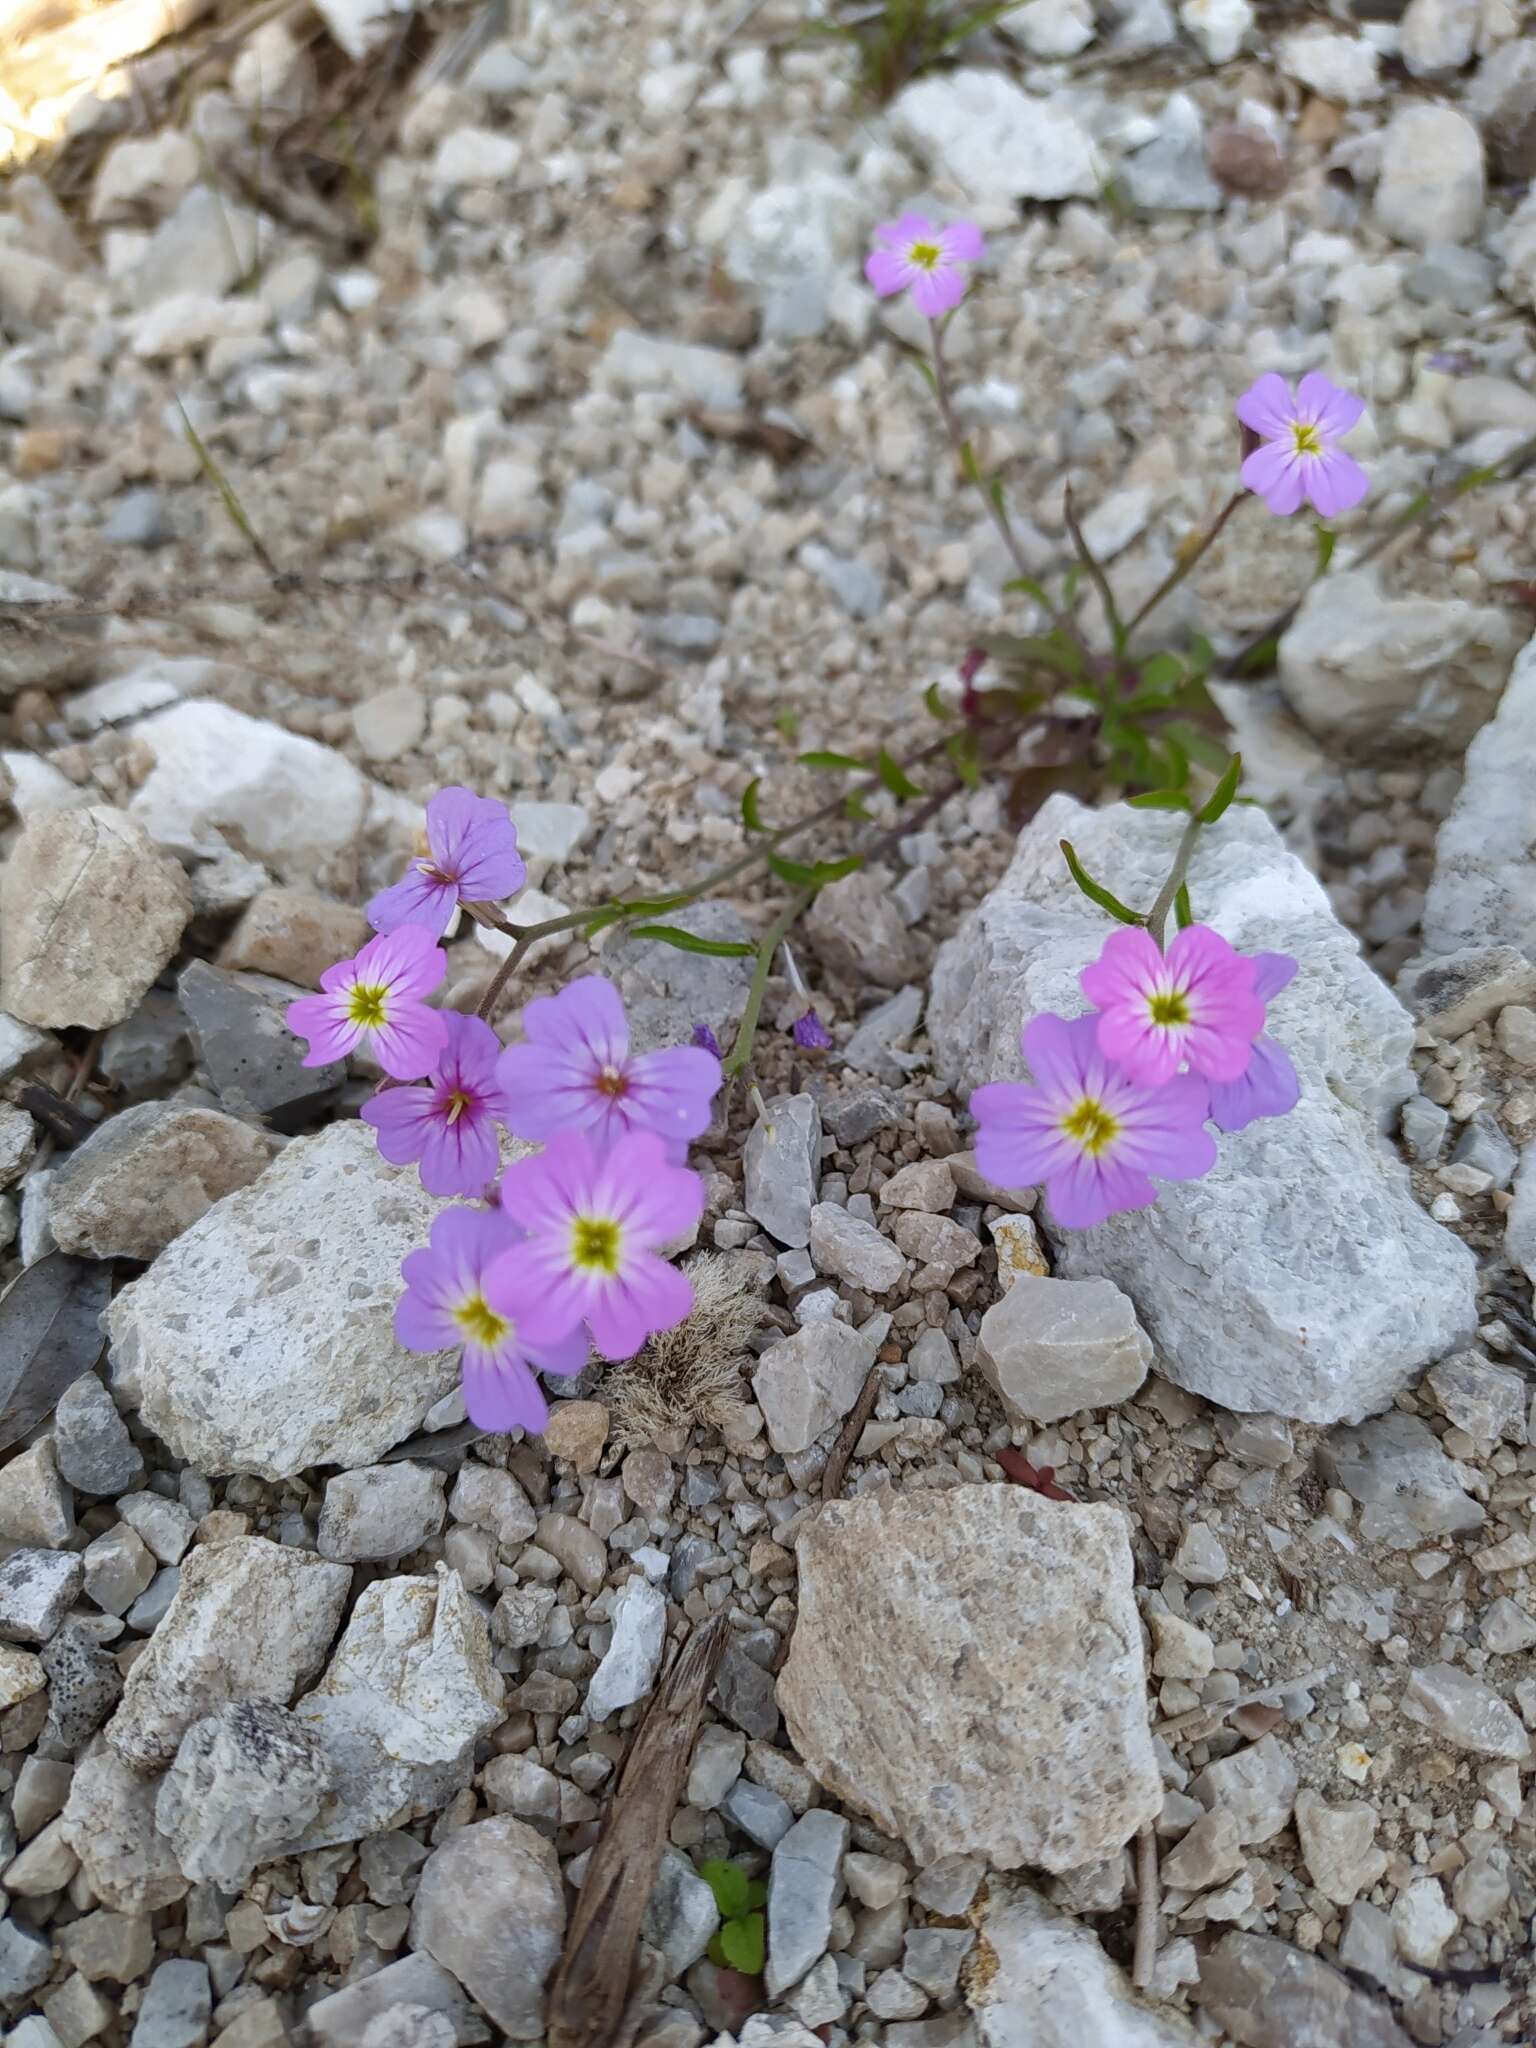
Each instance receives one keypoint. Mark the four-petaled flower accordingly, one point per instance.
(919, 255)
(595, 1224)
(471, 857)
(1298, 458)
(378, 999)
(1157, 1010)
(1268, 1085)
(448, 1123)
(444, 1307)
(575, 1072)
(1087, 1131)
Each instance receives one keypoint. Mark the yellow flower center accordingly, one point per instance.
(366, 1005)
(455, 1106)
(1305, 438)
(1168, 1007)
(926, 255)
(480, 1323)
(1090, 1125)
(595, 1242)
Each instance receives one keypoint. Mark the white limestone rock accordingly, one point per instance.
(1054, 1987)
(1483, 891)
(996, 141)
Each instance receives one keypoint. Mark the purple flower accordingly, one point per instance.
(705, 1040)
(380, 998)
(1268, 1086)
(444, 1306)
(471, 857)
(1195, 1002)
(447, 1123)
(917, 255)
(575, 1072)
(595, 1223)
(1298, 458)
(810, 1034)
(1085, 1129)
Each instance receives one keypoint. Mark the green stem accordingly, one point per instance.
(1157, 916)
(772, 939)
(1186, 567)
(1085, 554)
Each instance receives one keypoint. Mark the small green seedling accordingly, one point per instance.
(740, 1943)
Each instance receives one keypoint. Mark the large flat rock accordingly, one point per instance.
(1483, 891)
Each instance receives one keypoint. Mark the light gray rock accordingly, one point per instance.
(1464, 1712)
(1200, 1558)
(791, 247)
(244, 1359)
(207, 245)
(109, 1822)
(117, 1568)
(26, 1960)
(487, 1498)
(1209, 1854)
(1169, 174)
(853, 1250)
(667, 992)
(411, 1689)
(783, 1168)
(1408, 1487)
(1340, 68)
(920, 1711)
(855, 928)
(84, 1685)
(245, 1784)
(1502, 100)
(1256, 1786)
(1438, 36)
(1338, 1845)
(804, 1884)
(1483, 890)
(717, 1759)
(177, 2003)
(1431, 185)
(1055, 1347)
(251, 1620)
(1054, 1987)
(91, 1443)
(1322, 1308)
(807, 1382)
(165, 1525)
(1520, 1221)
(36, 1506)
(994, 140)
(37, 1590)
(762, 1816)
(146, 1176)
(682, 1916)
(346, 2018)
(1266, 1994)
(646, 362)
(878, 1044)
(381, 1511)
(629, 1666)
(90, 913)
(1424, 1125)
(1488, 1401)
(1376, 673)
(1450, 992)
(490, 1909)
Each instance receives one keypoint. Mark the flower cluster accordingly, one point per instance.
(1176, 1041)
(568, 1253)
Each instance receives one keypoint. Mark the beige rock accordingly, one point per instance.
(490, 1909)
(109, 1822)
(1018, 1249)
(1055, 1347)
(295, 934)
(21, 1675)
(855, 928)
(577, 1432)
(967, 1670)
(1338, 1844)
(90, 912)
(147, 1175)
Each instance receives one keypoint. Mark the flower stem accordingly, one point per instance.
(1157, 916)
(1187, 565)
(1085, 554)
(771, 940)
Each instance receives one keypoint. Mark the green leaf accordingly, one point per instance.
(1183, 915)
(812, 874)
(730, 1885)
(935, 704)
(1053, 651)
(925, 369)
(1069, 583)
(971, 467)
(1200, 745)
(895, 777)
(1095, 891)
(961, 748)
(1327, 539)
(742, 1944)
(1261, 658)
(751, 816)
(788, 723)
(1162, 673)
(1223, 793)
(1202, 655)
(1030, 588)
(757, 1894)
(822, 757)
(855, 807)
(690, 942)
(1160, 800)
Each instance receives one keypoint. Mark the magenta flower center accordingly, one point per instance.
(612, 1083)
(1168, 1007)
(480, 1323)
(435, 873)
(1089, 1124)
(595, 1242)
(1306, 438)
(366, 1003)
(457, 1105)
(925, 255)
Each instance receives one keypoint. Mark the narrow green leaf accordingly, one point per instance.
(925, 369)
(1327, 539)
(1163, 672)
(742, 1942)
(1095, 891)
(855, 807)
(823, 757)
(895, 777)
(998, 496)
(1261, 658)
(1223, 793)
(1030, 588)
(1160, 800)
(1200, 745)
(730, 1885)
(935, 704)
(1183, 915)
(690, 942)
(812, 874)
(751, 815)
(1178, 762)
(1069, 584)
(1202, 654)
(971, 467)
(788, 723)
(1053, 651)
(962, 751)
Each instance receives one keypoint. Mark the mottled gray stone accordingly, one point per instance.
(91, 1441)
(807, 1382)
(804, 1883)
(783, 1168)
(37, 1590)
(238, 1024)
(176, 2007)
(381, 1511)
(490, 1909)
(245, 1784)
(1266, 1994)
(146, 1175)
(1483, 889)
(1394, 1466)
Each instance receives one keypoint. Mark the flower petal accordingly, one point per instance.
(415, 899)
(501, 1393)
(1273, 473)
(459, 1158)
(403, 1119)
(887, 272)
(1334, 482)
(410, 1042)
(1269, 1087)
(323, 1020)
(937, 291)
(651, 1296)
(962, 242)
(673, 1091)
(1267, 406)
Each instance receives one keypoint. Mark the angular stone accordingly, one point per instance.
(239, 1026)
(1326, 1307)
(1209, 1854)
(109, 1822)
(84, 1685)
(165, 1525)
(90, 912)
(21, 1675)
(490, 1909)
(245, 1785)
(176, 2007)
(91, 1442)
(26, 1961)
(1256, 1786)
(1488, 1401)
(1056, 1347)
(117, 1568)
(1338, 1845)
(1430, 189)
(1464, 1712)
(855, 929)
(994, 140)
(1502, 100)
(347, 2018)
(487, 1498)
(629, 1667)
(1052, 1986)
(294, 934)
(381, 1511)
(410, 1690)
(1266, 1994)
(1450, 992)
(37, 1590)
(107, 1947)
(1379, 674)
(1394, 1466)
(1483, 889)
(906, 1693)
(853, 1250)
(1438, 36)
(717, 1761)
(667, 992)
(251, 1620)
(146, 1176)
(807, 1382)
(926, 1185)
(244, 1358)
(36, 1507)
(783, 1168)
(682, 1916)
(577, 1432)
(803, 1885)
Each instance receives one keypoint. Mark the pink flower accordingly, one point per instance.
(380, 998)
(448, 1123)
(1268, 1086)
(1085, 1129)
(594, 1222)
(915, 254)
(575, 1072)
(1298, 458)
(444, 1306)
(471, 857)
(1195, 1002)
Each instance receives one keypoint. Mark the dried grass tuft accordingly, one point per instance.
(691, 1375)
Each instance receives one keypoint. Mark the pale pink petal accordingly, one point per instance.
(416, 899)
(1083, 1195)
(585, 1018)
(342, 976)
(1267, 407)
(458, 1158)
(407, 961)
(887, 272)
(1335, 482)
(410, 1043)
(403, 1119)
(1273, 473)
(452, 816)
(542, 1296)
(564, 1355)
(467, 1240)
(962, 242)
(543, 1091)
(323, 1020)
(935, 292)
(650, 1296)
(656, 1201)
(1127, 970)
(1322, 404)
(1269, 1087)
(673, 1091)
(1272, 972)
(1056, 1050)
(912, 227)
(423, 1324)
(501, 1393)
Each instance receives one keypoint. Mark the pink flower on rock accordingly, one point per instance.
(1196, 1002)
(1268, 1086)
(444, 1307)
(378, 999)
(916, 254)
(448, 1123)
(575, 1072)
(595, 1222)
(1085, 1130)
(1298, 459)
(471, 857)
